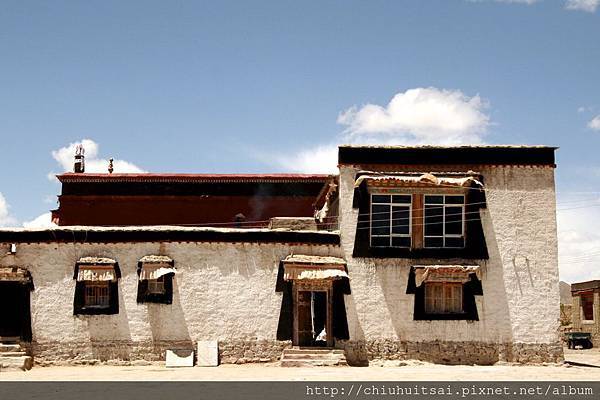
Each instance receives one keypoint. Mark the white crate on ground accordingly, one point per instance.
(208, 353)
(180, 358)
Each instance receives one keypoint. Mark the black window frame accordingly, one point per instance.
(145, 296)
(79, 306)
(471, 288)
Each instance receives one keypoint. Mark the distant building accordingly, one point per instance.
(444, 254)
(586, 308)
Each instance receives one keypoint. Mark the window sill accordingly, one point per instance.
(588, 322)
(477, 253)
(95, 311)
(446, 317)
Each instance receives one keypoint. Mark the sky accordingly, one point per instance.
(274, 86)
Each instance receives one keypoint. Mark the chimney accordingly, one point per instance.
(79, 166)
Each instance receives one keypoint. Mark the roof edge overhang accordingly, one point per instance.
(95, 234)
(194, 178)
(448, 155)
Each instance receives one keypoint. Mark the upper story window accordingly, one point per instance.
(390, 220)
(411, 215)
(444, 220)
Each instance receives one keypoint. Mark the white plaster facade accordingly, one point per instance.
(226, 291)
(222, 291)
(520, 302)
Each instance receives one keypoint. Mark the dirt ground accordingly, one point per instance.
(580, 365)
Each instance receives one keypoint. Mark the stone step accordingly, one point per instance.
(310, 356)
(23, 363)
(295, 350)
(13, 354)
(9, 347)
(10, 339)
(292, 362)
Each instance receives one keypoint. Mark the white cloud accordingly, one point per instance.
(579, 243)
(421, 115)
(65, 158)
(6, 219)
(582, 5)
(416, 116)
(320, 160)
(43, 221)
(595, 123)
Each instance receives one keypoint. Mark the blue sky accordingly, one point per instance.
(260, 86)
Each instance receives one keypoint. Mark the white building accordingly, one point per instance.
(444, 254)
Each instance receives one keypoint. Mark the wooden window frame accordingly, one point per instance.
(93, 298)
(444, 308)
(391, 204)
(444, 235)
(156, 286)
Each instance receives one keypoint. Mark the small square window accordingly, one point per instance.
(97, 294)
(443, 298)
(156, 286)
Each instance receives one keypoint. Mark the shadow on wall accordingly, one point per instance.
(168, 325)
(494, 305)
(355, 349)
(110, 336)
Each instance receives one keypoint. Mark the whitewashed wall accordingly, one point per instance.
(221, 291)
(520, 302)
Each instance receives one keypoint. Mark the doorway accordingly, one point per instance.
(15, 317)
(312, 315)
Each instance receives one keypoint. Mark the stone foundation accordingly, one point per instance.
(358, 353)
(452, 353)
(129, 352)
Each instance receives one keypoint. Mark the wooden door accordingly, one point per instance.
(304, 318)
(11, 309)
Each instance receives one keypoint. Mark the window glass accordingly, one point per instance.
(434, 199)
(434, 218)
(402, 198)
(391, 220)
(454, 221)
(444, 221)
(96, 294)
(454, 200)
(381, 220)
(381, 198)
(401, 219)
(156, 286)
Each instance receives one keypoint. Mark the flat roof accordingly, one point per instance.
(448, 155)
(203, 178)
(588, 285)
(165, 233)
